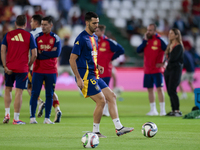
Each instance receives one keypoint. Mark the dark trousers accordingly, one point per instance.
(172, 81)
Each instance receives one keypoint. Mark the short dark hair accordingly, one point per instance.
(37, 18)
(102, 27)
(153, 24)
(21, 20)
(90, 15)
(48, 18)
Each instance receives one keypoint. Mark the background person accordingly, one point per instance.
(14, 55)
(153, 48)
(173, 70)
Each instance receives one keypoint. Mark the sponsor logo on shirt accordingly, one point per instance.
(45, 47)
(40, 41)
(18, 37)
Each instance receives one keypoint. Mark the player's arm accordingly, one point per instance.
(55, 52)
(3, 55)
(163, 45)
(116, 48)
(140, 48)
(33, 47)
(72, 61)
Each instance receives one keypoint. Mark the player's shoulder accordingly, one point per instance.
(111, 41)
(55, 36)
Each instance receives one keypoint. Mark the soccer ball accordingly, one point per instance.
(149, 129)
(90, 140)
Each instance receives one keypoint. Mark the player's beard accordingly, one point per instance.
(91, 29)
(149, 36)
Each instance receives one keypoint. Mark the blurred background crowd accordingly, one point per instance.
(126, 20)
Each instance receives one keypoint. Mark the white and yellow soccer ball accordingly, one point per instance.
(149, 129)
(90, 140)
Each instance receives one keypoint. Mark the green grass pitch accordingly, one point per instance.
(174, 133)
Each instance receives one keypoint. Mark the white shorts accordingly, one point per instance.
(189, 76)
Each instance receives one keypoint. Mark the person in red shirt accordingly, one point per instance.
(108, 50)
(153, 47)
(45, 68)
(14, 55)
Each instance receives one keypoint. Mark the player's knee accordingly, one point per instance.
(114, 96)
(102, 101)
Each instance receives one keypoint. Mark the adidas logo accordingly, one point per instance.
(40, 41)
(77, 43)
(18, 38)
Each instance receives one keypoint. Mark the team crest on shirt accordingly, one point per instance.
(97, 87)
(103, 44)
(155, 42)
(51, 41)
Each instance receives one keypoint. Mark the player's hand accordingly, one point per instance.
(159, 65)
(54, 49)
(101, 69)
(80, 83)
(39, 51)
(9, 72)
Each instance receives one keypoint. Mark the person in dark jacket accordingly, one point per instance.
(173, 71)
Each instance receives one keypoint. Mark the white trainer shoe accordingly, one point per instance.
(162, 113)
(33, 121)
(48, 121)
(152, 113)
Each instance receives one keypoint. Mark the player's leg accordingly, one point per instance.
(50, 81)
(148, 83)
(158, 80)
(98, 111)
(29, 89)
(7, 101)
(57, 108)
(37, 82)
(112, 106)
(190, 81)
(105, 110)
(21, 84)
(9, 80)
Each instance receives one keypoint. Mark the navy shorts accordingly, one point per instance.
(93, 86)
(20, 78)
(151, 79)
(106, 80)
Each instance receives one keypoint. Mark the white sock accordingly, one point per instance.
(96, 127)
(16, 116)
(153, 106)
(105, 110)
(162, 106)
(117, 123)
(57, 109)
(40, 101)
(7, 111)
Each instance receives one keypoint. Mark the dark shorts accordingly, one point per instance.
(20, 78)
(93, 86)
(106, 80)
(151, 79)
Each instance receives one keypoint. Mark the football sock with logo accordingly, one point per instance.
(117, 123)
(96, 127)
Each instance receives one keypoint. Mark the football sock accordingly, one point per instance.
(16, 116)
(56, 105)
(153, 106)
(7, 111)
(39, 101)
(117, 123)
(96, 127)
(162, 106)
